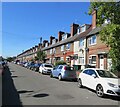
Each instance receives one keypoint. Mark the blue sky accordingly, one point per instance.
(23, 23)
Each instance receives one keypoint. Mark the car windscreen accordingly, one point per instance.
(106, 74)
(49, 66)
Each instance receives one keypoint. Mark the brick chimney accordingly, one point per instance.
(44, 42)
(39, 45)
(94, 16)
(51, 38)
(74, 29)
(60, 33)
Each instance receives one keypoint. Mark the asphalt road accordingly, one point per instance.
(22, 86)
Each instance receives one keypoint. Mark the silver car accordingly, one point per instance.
(64, 72)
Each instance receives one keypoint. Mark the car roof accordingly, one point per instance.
(93, 68)
(47, 64)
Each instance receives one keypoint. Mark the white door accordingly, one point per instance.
(101, 61)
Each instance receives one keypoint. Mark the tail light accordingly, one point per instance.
(65, 68)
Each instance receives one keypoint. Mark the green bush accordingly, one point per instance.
(60, 63)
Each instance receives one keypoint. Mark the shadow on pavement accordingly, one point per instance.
(10, 95)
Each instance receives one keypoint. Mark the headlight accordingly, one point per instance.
(112, 85)
(44, 69)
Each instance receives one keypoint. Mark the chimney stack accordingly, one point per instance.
(60, 33)
(44, 42)
(94, 17)
(74, 29)
(51, 38)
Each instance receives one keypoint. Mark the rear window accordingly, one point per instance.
(69, 68)
(50, 66)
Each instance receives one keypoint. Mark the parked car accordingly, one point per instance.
(26, 64)
(103, 82)
(30, 65)
(45, 68)
(64, 72)
(36, 66)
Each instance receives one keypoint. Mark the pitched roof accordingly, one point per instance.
(94, 31)
(69, 40)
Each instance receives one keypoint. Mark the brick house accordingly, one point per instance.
(61, 48)
(97, 54)
(80, 47)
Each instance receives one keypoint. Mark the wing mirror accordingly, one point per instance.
(93, 75)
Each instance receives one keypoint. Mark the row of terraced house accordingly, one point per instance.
(81, 46)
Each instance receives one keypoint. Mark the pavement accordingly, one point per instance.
(22, 86)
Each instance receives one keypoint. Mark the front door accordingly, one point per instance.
(101, 61)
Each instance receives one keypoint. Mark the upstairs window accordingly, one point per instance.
(62, 48)
(64, 36)
(53, 41)
(83, 28)
(54, 50)
(50, 51)
(92, 40)
(46, 45)
(68, 46)
(81, 43)
(36, 49)
(78, 30)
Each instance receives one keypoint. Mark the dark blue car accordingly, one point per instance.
(36, 66)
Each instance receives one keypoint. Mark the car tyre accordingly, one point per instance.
(80, 83)
(51, 75)
(42, 72)
(99, 91)
(60, 77)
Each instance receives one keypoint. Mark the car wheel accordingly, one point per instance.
(99, 91)
(42, 72)
(51, 75)
(80, 83)
(60, 77)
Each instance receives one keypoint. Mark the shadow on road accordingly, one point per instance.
(24, 91)
(10, 95)
(105, 96)
(40, 95)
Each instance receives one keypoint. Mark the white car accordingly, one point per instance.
(103, 82)
(46, 68)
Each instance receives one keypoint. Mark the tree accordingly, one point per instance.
(110, 33)
(41, 55)
(9, 59)
(60, 63)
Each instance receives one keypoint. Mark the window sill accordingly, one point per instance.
(92, 44)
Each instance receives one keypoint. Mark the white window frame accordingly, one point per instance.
(46, 45)
(50, 51)
(53, 41)
(90, 58)
(83, 28)
(68, 46)
(90, 40)
(64, 36)
(62, 48)
(81, 40)
(78, 30)
(62, 58)
(54, 50)
(81, 60)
